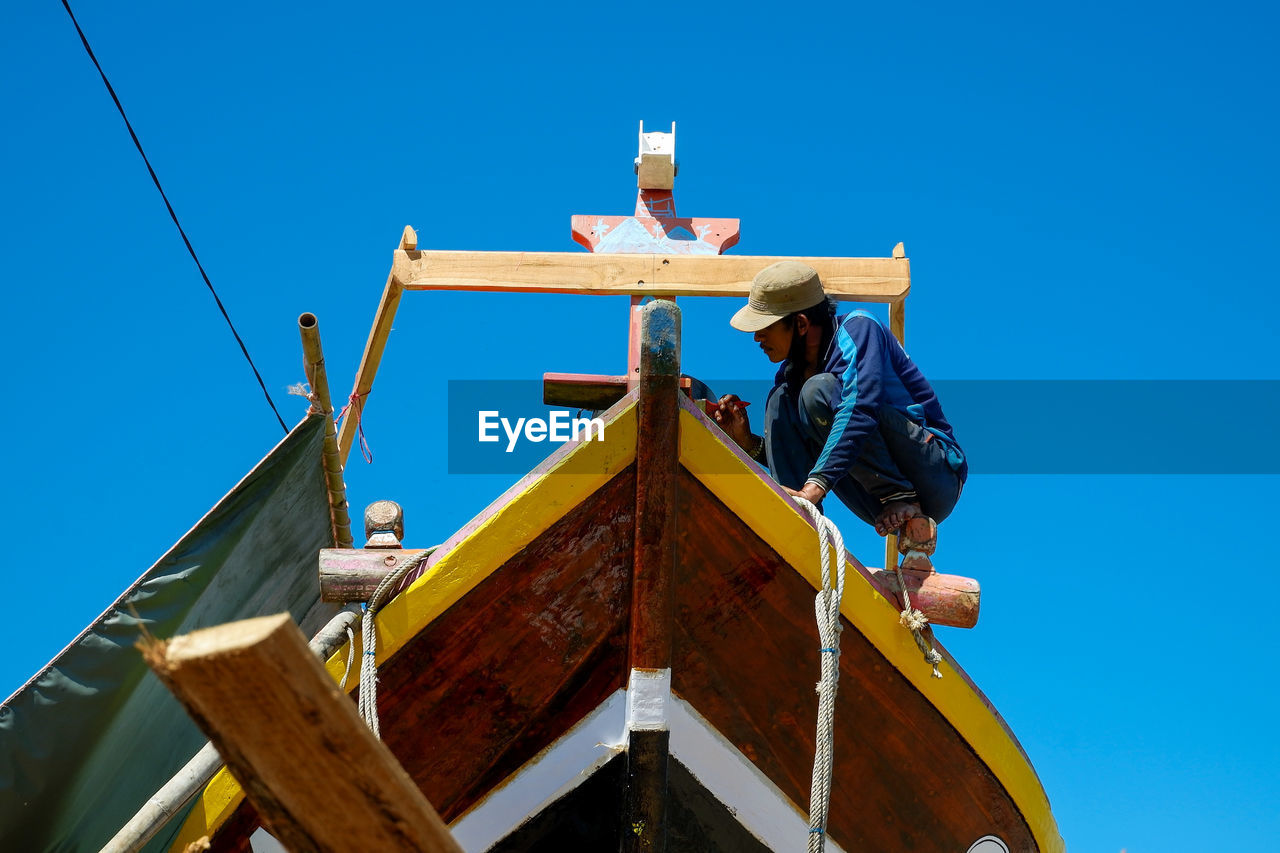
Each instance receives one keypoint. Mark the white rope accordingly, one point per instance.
(914, 621)
(369, 639)
(827, 610)
(351, 656)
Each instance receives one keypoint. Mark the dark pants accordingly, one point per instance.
(899, 457)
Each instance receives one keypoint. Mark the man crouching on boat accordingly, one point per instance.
(849, 411)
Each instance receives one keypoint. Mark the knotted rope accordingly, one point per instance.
(369, 639)
(827, 610)
(355, 406)
(914, 621)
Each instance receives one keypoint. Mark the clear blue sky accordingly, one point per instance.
(1085, 193)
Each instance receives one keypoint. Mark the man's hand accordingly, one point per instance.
(811, 492)
(732, 418)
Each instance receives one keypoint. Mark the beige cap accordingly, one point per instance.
(778, 290)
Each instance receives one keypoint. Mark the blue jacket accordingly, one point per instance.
(874, 371)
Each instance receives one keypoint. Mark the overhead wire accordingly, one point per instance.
(173, 215)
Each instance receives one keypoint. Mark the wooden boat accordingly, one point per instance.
(664, 561)
(620, 652)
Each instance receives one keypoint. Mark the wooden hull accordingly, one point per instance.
(506, 662)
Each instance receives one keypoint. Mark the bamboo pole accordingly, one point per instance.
(313, 356)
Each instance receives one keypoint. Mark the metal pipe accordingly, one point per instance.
(313, 355)
(191, 779)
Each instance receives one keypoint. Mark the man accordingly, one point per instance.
(849, 412)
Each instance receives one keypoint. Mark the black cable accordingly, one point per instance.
(174, 216)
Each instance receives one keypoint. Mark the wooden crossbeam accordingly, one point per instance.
(318, 777)
(851, 279)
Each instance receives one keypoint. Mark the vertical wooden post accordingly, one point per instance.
(898, 326)
(633, 343)
(652, 600)
(318, 378)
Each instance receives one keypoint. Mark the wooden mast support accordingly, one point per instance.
(850, 279)
(374, 348)
(644, 813)
(318, 378)
(898, 327)
(318, 777)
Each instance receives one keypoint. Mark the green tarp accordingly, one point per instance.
(88, 740)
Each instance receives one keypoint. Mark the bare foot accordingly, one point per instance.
(894, 515)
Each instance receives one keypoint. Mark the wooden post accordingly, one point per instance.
(644, 815)
(383, 525)
(657, 462)
(898, 326)
(318, 378)
(633, 343)
(318, 777)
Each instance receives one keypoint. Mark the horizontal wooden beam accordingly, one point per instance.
(850, 279)
(581, 390)
(318, 777)
(352, 574)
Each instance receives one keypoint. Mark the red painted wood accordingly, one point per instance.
(633, 344)
(951, 600)
(654, 228)
(718, 235)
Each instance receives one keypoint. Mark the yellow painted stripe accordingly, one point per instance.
(514, 524)
(777, 521)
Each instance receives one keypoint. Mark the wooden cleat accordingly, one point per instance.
(918, 534)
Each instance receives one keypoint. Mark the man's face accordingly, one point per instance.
(775, 340)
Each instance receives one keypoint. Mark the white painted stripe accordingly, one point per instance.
(753, 799)
(648, 696)
(725, 772)
(547, 777)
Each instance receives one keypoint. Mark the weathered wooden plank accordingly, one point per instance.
(645, 812)
(582, 390)
(657, 464)
(898, 761)
(294, 741)
(352, 574)
(372, 357)
(855, 279)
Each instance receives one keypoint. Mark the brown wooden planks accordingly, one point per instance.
(905, 780)
(529, 652)
(520, 659)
